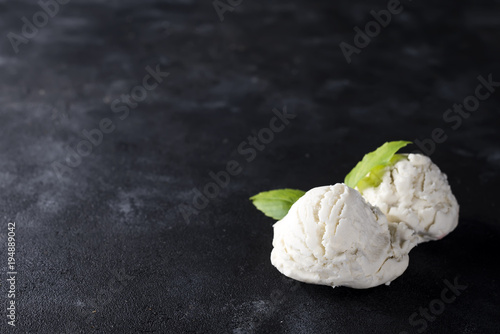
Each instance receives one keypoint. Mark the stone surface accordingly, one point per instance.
(105, 249)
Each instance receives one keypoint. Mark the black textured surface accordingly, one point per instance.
(117, 213)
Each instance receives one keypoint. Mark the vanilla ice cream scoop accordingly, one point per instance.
(416, 192)
(332, 236)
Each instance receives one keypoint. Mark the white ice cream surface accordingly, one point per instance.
(416, 192)
(332, 236)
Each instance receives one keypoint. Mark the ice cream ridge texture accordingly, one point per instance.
(337, 236)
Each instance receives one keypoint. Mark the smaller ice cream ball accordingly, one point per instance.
(332, 236)
(415, 191)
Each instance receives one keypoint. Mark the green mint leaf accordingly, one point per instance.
(276, 203)
(374, 161)
(374, 177)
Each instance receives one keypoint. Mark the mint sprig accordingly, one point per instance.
(276, 203)
(367, 173)
(374, 163)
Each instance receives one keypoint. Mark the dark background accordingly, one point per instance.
(105, 249)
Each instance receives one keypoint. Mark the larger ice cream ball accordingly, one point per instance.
(332, 236)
